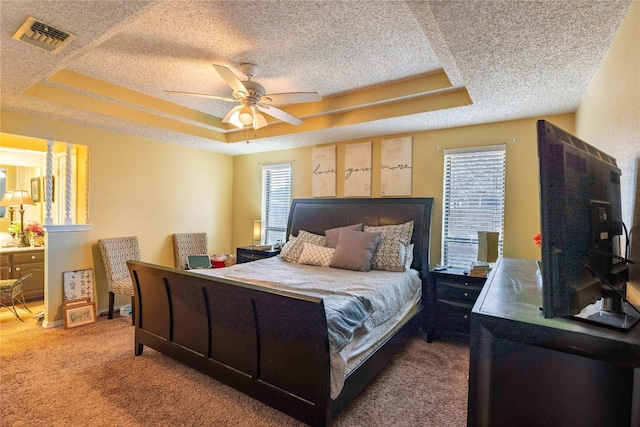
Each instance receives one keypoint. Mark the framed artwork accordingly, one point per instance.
(36, 190)
(78, 312)
(395, 174)
(324, 171)
(78, 284)
(357, 170)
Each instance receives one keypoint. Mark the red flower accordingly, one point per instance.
(537, 239)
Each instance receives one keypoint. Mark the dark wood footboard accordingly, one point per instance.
(270, 345)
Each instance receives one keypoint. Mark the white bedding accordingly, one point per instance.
(355, 302)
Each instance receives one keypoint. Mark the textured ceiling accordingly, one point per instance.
(382, 67)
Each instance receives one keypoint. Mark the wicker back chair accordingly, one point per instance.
(115, 254)
(185, 244)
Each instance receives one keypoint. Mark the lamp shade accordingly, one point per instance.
(6, 199)
(20, 197)
(488, 246)
(257, 230)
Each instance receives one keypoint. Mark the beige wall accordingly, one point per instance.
(522, 216)
(138, 187)
(609, 118)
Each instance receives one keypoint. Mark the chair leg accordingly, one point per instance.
(133, 311)
(112, 297)
(13, 309)
(24, 304)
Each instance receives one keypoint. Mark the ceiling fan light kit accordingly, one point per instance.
(254, 100)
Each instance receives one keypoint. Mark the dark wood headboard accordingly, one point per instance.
(318, 215)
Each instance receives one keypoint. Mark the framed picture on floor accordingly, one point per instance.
(78, 312)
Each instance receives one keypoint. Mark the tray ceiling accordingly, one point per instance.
(382, 67)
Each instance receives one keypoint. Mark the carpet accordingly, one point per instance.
(89, 376)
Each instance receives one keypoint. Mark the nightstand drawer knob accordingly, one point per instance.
(466, 284)
(33, 257)
(466, 317)
(17, 268)
(466, 294)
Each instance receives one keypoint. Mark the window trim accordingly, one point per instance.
(267, 228)
(470, 240)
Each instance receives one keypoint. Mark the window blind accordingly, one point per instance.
(276, 200)
(473, 200)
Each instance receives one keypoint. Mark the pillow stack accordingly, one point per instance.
(355, 247)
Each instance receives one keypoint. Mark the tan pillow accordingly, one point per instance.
(315, 255)
(293, 253)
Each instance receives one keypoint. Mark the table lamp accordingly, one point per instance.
(257, 232)
(488, 246)
(21, 198)
(5, 203)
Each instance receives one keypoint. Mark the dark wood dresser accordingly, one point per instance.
(17, 262)
(528, 370)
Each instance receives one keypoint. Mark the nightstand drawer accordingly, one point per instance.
(458, 290)
(455, 315)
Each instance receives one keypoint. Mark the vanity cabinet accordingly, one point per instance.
(15, 263)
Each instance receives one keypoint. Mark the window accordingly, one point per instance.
(473, 200)
(276, 200)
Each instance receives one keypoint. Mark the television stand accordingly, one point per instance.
(525, 369)
(610, 312)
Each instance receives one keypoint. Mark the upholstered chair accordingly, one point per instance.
(115, 254)
(185, 244)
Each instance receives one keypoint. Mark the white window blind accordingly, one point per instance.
(473, 200)
(276, 200)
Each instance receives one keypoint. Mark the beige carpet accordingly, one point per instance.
(89, 376)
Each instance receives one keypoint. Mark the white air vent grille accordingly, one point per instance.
(43, 35)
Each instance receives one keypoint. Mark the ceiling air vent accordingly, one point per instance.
(43, 35)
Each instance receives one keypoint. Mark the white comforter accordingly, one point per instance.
(355, 302)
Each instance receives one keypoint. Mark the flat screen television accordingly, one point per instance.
(584, 275)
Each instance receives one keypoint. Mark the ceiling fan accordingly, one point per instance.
(254, 100)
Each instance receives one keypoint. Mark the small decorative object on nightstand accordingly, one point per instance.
(451, 296)
(248, 253)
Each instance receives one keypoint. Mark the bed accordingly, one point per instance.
(269, 342)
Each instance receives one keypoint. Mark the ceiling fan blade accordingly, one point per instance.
(279, 114)
(231, 79)
(227, 118)
(203, 95)
(290, 98)
(259, 120)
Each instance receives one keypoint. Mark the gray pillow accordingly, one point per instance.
(355, 250)
(332, 235)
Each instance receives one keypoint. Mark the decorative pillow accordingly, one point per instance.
(355, 250)
(293, 254)
(409, 257)
(315, 255)
(391, 252)
(333, 234)
(287, 246)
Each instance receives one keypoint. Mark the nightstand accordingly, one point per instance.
(248, 253)
(451, 296)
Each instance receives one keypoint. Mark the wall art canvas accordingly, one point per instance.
(78, 284)
(324, 171)
(396, 162)
(357, 170)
